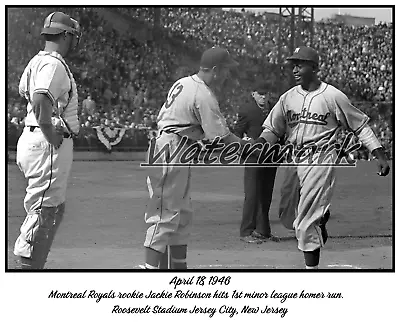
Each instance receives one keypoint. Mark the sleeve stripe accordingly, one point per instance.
(48, 93)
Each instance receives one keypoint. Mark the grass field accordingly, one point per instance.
(103, 226)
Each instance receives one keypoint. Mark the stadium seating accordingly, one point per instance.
(128, 79)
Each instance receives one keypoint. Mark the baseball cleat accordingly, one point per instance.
(273, 238)
(139, 267)
(251, 239)
(145, 266)
(262, 237)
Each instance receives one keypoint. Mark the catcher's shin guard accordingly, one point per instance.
(178, 256)
(174, 257)
(49, 221)
(152, 258)
(165, 262)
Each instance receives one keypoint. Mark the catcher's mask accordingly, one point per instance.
(58, 22)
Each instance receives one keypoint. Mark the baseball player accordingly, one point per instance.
(191, 110)
(312, 112)
(44, 150)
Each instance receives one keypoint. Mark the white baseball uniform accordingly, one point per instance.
(191, 110)
(311, 118)
(46, 168)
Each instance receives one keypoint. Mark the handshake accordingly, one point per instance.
(249, 140)
(255, 149)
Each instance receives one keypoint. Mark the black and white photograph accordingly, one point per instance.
(203, 139)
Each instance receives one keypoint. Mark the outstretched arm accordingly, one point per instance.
(240, 126)
(356, 121)
(267, 136)
(274, 126)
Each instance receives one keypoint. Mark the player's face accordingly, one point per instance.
(303, 72)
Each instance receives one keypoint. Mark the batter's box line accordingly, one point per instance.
(363, 236)
(288, 238)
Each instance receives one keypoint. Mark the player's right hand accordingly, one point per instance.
(57, 137)
(383, 167)
(57, 141)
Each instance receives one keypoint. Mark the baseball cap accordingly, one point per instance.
(304, 53)
(58, 22)
(261, 87)
(217, 56)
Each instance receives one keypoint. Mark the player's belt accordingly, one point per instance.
(172, 129)
(167, 131)
(65, 134)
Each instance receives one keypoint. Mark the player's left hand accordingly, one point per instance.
(383, 167)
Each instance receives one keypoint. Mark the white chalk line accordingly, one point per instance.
(343, 266)
(231, 266)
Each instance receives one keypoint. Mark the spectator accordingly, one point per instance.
(88, 105)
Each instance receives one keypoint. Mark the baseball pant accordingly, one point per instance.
(258, 189)
(306, 195)
(169, 212)
(47, 170)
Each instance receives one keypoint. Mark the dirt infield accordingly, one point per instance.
(103, 226)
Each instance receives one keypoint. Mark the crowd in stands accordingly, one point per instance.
(125, 80)
(357, 59)
(122, 82)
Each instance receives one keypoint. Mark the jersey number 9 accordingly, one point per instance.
(176, 90)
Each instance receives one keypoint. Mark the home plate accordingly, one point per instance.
(343, 266)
